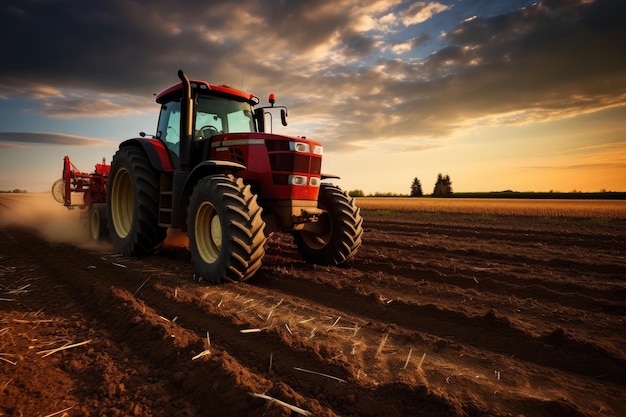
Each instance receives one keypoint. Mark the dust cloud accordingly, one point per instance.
(48, 218)
(54, 222)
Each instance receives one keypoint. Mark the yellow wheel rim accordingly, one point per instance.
(122, 203)
(208, 233)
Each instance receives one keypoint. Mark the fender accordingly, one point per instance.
(206, 168)
(155, 150)
(330, 176)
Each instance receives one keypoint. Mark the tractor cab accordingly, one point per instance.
(217, 110)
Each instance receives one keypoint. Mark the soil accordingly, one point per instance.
(438, 315)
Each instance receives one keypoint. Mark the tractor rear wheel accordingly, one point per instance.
(225, 229)
(98, 222)
(133, 203)
(338, 234)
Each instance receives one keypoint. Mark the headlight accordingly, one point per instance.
(297, 180)
(299, 147)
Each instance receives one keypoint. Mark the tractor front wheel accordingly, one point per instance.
(225, 229)
(337, 236)
(133, 203)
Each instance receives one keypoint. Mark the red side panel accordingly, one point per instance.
(161, 153)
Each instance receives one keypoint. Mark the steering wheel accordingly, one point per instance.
(212, 131)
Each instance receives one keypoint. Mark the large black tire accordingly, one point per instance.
(98, 230)
(225, 229)
(339, 231)
(133, 203)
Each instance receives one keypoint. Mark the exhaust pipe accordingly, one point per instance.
(186, 120)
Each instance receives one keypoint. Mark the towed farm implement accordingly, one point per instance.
(92, 186)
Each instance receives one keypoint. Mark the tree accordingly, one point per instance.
(443, 186)
(356, 193)
(416, 188)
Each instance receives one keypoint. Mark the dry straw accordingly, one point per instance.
(2, 358)
(244, 331)
(419, 366)
(408, 358)
(382, 344)
(46, 353)
(320, 374)
(293, 408)
(60, 412)
(205, 352)
(5, 385)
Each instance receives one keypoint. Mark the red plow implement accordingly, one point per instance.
(91, 185)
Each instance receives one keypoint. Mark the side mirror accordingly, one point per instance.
(283, 116)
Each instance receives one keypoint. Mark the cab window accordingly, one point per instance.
(215, 115)
(169, 126)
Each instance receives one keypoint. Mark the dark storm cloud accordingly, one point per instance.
(421, 39)
(332, 61)
(305, 23)
(357, 45)
(14, 139)
(118, 45)
(133, 45)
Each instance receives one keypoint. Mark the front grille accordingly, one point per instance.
(236, 155)
(294, 162)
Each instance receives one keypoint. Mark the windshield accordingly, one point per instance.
(216, 115)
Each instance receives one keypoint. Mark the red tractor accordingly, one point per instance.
(213, 171)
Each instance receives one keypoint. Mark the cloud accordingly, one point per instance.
(548, 61)
(28, 90)
(83, 105)
(12, 146)
(72, 103)
(421, 11)
(361, 69)
(16, 139)
(545, 62)
(114, 46)
(547, 58)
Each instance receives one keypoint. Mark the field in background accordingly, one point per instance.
(615, 209)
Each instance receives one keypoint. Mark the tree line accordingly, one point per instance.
(443, 188)
(16, 190)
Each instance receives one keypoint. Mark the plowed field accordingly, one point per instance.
(438, 315)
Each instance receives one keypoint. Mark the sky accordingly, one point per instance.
(497, 94)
